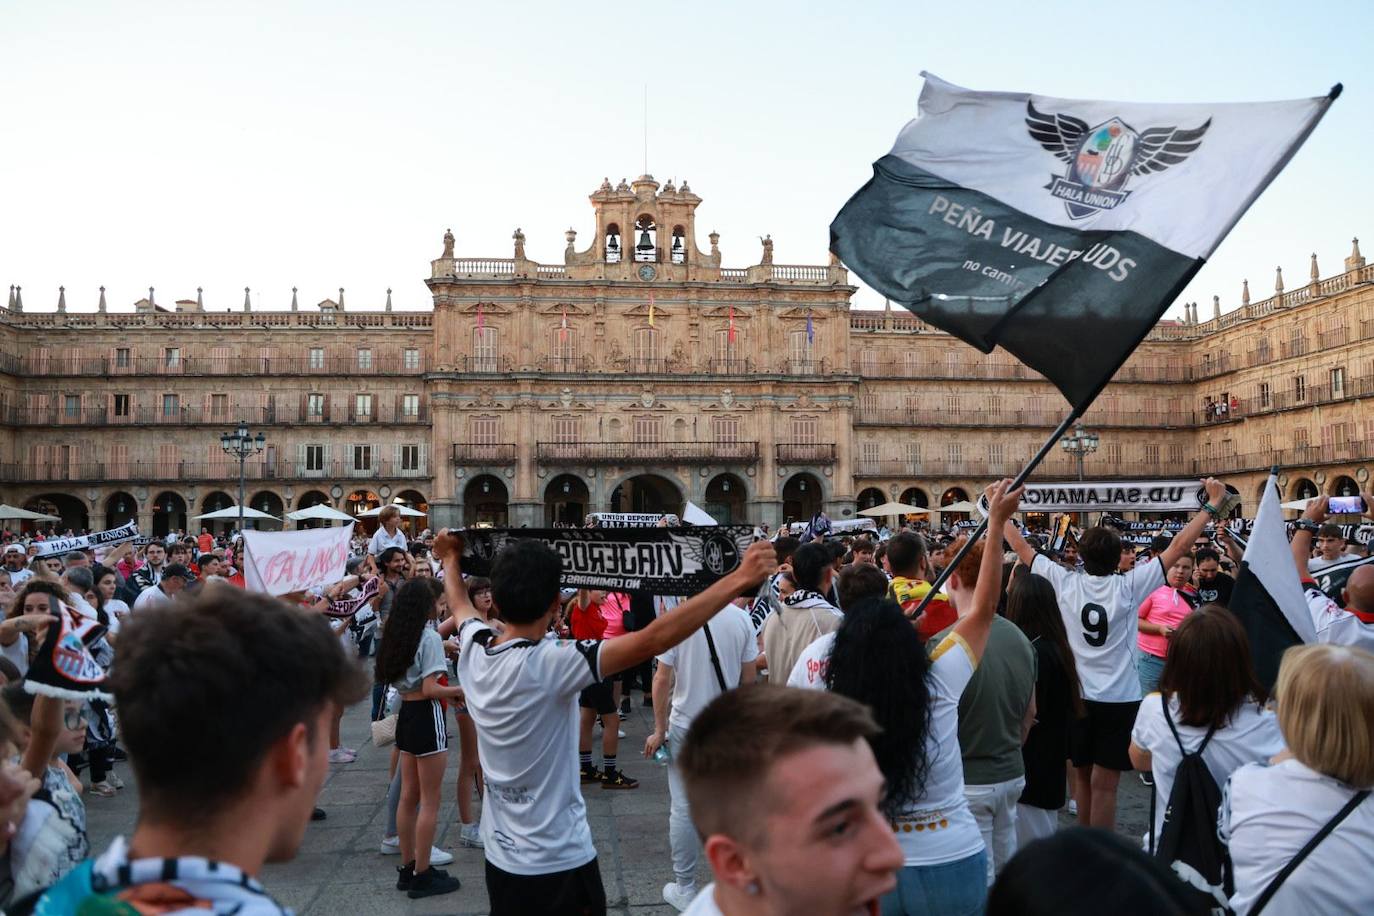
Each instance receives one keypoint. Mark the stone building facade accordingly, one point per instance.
(638, 374)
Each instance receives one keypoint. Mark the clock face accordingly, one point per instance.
(647, 272)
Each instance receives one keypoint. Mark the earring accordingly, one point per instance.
(752, 888)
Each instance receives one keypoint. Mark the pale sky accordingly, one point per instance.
(322, 145)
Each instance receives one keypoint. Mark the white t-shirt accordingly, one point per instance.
(150, 598)
(522, 696)
(939, 827)
(695, 683)
(1317, 563)
(809, 671)
(1334, 624)
(381, 541)
(704, 903)
(117, 610)
(1100, 615)
(1252, 736)
(18, 653)
(19, 576)
(1268, 813)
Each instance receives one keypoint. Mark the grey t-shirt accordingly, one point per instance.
(429, 659)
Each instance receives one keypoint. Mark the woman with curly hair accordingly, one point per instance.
(411, 659)
(878, 660)
(27, 619)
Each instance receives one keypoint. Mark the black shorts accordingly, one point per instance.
(1103, 736)
(421, 729)
(599, 696)
(576, 892)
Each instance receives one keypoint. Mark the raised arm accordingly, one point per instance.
(448, 548)
(975, 626)
(759, 562)
(1024, 551)
(1183, 541)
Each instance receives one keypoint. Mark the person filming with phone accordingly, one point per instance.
(1331, 544)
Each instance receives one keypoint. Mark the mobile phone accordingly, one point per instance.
(1343, 505)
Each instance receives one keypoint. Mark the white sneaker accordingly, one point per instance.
(391, 846)
(470, 835)
(341, 755)
(677, 896)
(115, 780)
(620, 732)
(1073, 807)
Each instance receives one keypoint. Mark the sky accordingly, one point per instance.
(324, 145)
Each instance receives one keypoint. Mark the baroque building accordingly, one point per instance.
(637, 374)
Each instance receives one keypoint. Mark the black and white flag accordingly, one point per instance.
(1036, 223)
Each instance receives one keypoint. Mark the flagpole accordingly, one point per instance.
(1020, 478)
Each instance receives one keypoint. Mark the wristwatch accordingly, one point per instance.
(1306, 524)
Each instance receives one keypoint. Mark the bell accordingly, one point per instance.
(644, 243)
(677, 243)
(614, 243)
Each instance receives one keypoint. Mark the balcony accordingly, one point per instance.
(730, 366)
(660, 453)
(805, 452)
(578, 364)
(483, 365)
(50, 366)
(469, 454)
(225, 472)
(273, 415)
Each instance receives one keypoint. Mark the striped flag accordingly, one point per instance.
(810, 331)
(730, 335)
(1037, 223)
(481, 317)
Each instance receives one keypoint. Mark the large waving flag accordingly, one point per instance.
(1040, 224)
(1268, 597)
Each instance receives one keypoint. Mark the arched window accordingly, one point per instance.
(612, 243)
(679, 249)
(646, 239)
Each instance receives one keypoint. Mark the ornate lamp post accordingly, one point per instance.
(1080, 443)
(240, 444)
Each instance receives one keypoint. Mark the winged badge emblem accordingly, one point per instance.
(1102, 159)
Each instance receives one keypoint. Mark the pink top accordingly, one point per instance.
(613, 610)
(1164, 606)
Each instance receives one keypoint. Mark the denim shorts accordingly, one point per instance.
(952, 889)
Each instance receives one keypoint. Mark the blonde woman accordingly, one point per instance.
(1270, 814)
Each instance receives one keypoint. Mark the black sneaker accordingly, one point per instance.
(405, 876)
(648, 700)
(590, 774)
(432, 883)
(614, 779)
(1148, 779)
(625, 707)
(318, 814)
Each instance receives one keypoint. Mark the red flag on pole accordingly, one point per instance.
(481, 317)
(730, 336)
(563, 328)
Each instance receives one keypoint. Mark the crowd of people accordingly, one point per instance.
(917, 745)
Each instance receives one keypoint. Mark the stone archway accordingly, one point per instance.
(726, 496)
(307, 500)
(566, 501)
(1304, 489)
(647, 493)
(120, 508)
(870, 497)
(486, 502)
(213, 502)
(68, 508)
(169, 513)
(360, 501)
(915, 496)
(272, 504)
(413, 499)
(1342, 485)
(802, 497)
(949, 497)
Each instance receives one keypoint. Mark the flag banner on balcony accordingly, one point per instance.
(281, 562)
(1059, 229)
(1111, 496)
(126, 532)
(655, 561)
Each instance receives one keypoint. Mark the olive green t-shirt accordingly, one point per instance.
(994, 704)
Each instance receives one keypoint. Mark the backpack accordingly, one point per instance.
(1188, 841)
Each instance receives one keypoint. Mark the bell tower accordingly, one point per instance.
(641, 223)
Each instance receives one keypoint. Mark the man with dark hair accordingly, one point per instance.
(1330, 548)
(174, 578)
(856, 584)
(1100, 615)
(785, 792)
(221, 793)
(522, 691)
(863, 551)
(150, 573)
(906, 554)
(805, 615)
(1213, 585)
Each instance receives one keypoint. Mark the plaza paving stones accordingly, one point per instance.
(339, 870)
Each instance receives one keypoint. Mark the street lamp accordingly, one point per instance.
(240, 444)
(1079, 443)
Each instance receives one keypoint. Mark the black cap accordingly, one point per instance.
(177, 571)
